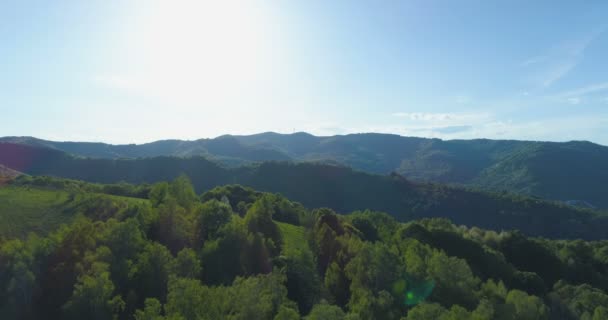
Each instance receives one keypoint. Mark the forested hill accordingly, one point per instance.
(322, 185)
(571, 171)
(234, 253)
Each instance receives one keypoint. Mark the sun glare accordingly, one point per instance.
(198, 51)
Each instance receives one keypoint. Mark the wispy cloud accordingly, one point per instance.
(453, 129)
(556, 72)
(560, 60)
(437, 125)
(439, 117)
(576, 96)
(533, 61)
(561, 128)
(586, 90)
(424, 116)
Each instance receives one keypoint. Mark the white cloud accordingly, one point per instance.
(439, 117)
(423, 116)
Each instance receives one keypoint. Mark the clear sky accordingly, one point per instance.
(124, 71)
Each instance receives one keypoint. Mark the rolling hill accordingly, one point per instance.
(572, 172)
(7, 174)
(26, 209)
(63, 241)
(323, 185)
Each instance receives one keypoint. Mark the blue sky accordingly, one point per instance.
(137, 71)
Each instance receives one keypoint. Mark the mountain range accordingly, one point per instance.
(326, 185)
(574, 172)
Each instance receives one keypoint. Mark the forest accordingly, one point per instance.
(162, 251)
(317, 185)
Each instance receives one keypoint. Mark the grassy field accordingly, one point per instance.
(28, 209)
(39, 210)
(294, 237)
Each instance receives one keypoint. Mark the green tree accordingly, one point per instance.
(159, 193)
(212, 215)
(17, 277)
(93, 296)
(600, 313)
(325, 312)
(287, 314)
(484, 311)
(303, 283)
(456, 312)
(151, 272)
(187, 264)
(426, 311)
(337, 284)
(190, 300)
(58, 278)
(125, 240)
(372, 272)
(259, 297)
(222, 258)
(152, 310)
(182, 190)
(175, 227)
(259, 220)
(455, 281)
(578, 300)
(526, 307)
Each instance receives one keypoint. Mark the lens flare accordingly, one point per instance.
(413, 290)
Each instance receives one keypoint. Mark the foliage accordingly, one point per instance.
(124, 258)
(344, 189)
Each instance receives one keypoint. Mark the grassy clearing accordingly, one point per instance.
(28, 209)
(24, 210)
(294, 237)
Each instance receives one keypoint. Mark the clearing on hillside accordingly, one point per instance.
(29, 209)
(294, 237)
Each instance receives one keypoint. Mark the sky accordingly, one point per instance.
(135, 71)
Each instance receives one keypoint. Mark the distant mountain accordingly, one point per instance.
(325, 185)
(572, 171)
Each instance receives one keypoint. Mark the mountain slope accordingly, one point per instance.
(572, 172)
(39, 210)
(7, 174)
(322, 185)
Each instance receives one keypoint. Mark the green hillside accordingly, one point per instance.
(7, 174)
(25, 209)
(555, 171)
(237, 253)
(574, 170)
(337, 187)
(294, 237)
